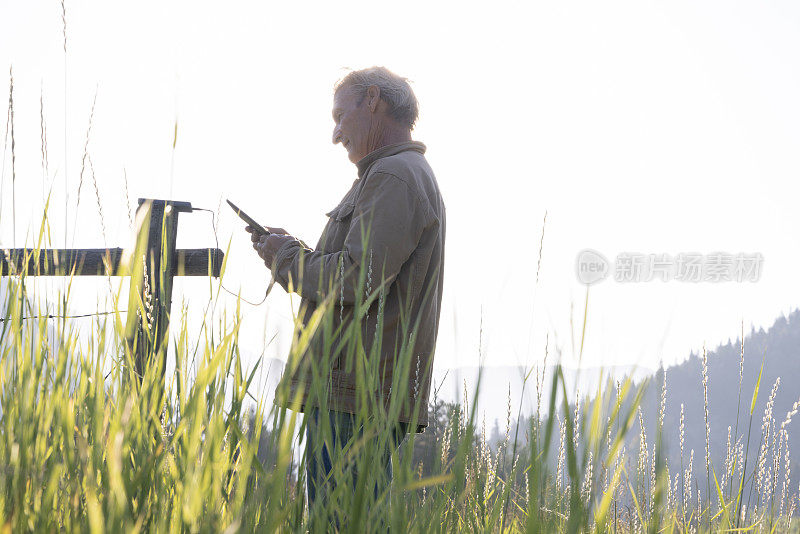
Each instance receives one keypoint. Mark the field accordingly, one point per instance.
(85, 445)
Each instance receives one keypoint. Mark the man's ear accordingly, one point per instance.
(373, 97)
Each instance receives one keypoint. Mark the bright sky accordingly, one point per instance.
(639, 127)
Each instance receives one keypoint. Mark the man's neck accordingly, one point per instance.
(395, 136)
(388, 134)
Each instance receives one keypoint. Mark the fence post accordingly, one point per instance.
(155, 287)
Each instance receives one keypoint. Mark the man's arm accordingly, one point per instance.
(388, 220)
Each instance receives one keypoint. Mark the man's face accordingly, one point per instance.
(351, 123)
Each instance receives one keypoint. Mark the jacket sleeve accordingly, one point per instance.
(388, 221)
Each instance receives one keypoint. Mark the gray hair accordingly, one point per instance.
(395, 91)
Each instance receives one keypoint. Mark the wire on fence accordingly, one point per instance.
(51, 316)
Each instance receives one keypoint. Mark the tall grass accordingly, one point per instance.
(86, 446)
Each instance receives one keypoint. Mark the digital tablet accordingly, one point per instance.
(246, 218)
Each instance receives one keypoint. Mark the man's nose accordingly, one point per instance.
(337, 134)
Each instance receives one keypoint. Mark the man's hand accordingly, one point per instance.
(267, 245)
(270, 229)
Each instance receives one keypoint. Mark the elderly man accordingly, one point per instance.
(379, 262)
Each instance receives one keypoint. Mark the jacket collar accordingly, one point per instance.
(388, 150)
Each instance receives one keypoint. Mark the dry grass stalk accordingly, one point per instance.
(102, 220)
(66, 151)
(729, 458)
(699, 506)
(741, 358)
(5, 151)
(675, 486)
(577, 418)
(540, 384)
(787, 472)
(527, 489)
(662, 408)
(446, 444)
(708, 427)
(99, 203)
(129, 211)
(541, 246)
(766, 426)
(641, 464)
(606, 468)
(148, 296)
(83, 164)
(43, 132)
(588, 481)
(687, 483)
(508, 418)
(560, 467)
(13, 158)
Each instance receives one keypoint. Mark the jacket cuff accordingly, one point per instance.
(284, 258)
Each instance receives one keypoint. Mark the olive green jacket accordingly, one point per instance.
(388, 232)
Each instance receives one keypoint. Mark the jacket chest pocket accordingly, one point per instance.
(338, 226)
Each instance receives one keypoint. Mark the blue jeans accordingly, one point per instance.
(322, 455)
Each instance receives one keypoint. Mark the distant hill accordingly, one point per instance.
(779, 350)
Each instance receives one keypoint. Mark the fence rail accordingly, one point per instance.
(100, 262)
